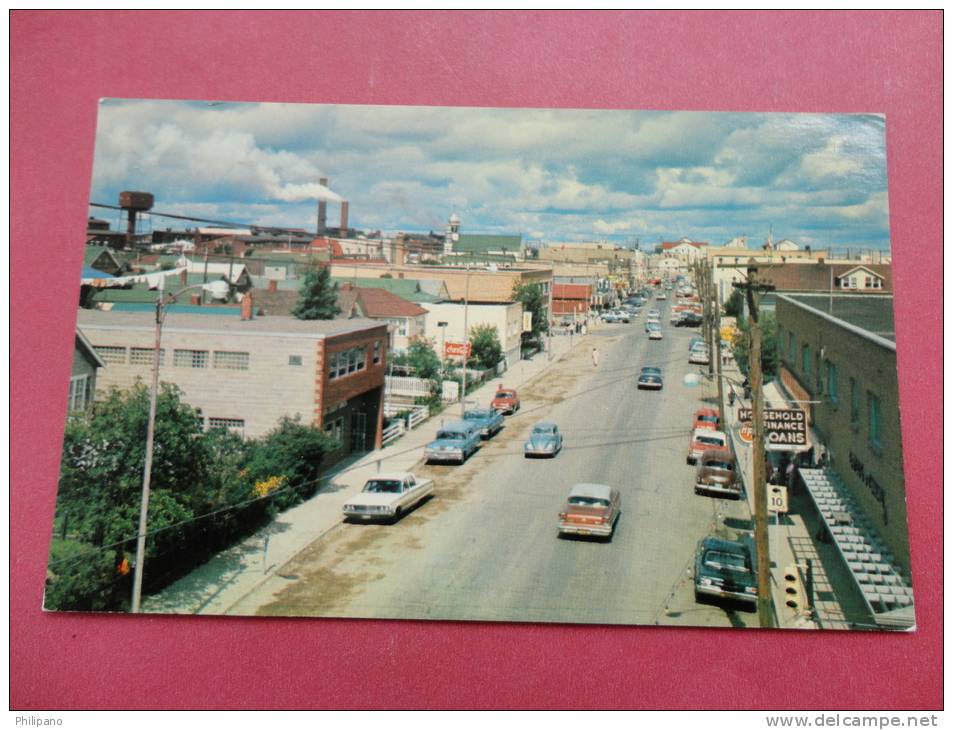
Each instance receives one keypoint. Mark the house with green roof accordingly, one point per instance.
(102, 259)
(481, 246)
(413, 290)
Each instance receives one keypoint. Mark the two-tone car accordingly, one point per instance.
(544, 440)
(650, 379)
(725, 570)
(489, 420)
(717, 474)
(591, 510)
(387, 497)
(655, 333)
(505, 400)
(702, 440)
(699, 356)
(707, 418)
(455, 442)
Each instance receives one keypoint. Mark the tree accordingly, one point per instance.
(769, 345)
(485, 342)
(531, 297)
(318, 298)
(734, 305)
(421, 357)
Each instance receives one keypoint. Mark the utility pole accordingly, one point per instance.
(765, 614)
(549, 318)
(718, 353)
(466, 342)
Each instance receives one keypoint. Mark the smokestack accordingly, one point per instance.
(344, 207)
(322, 210)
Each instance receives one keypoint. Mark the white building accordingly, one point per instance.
(507, 318)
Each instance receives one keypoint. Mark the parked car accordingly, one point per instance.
(388, 496)
(691, 319)
(699, 356)
(609, 317)
(489, 420)
(590, 510)
(621, 315)
(544, 440)
(655, 333)
(696, 339)
(677, 317)
(707, 418)
(725, 570)
(506, 400)
(650, 381)
(717, 474)
(454, 442)
(702, 440)
(660, 296)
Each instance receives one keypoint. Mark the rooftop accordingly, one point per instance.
(274, 326)
(480, 243)
(871, 313)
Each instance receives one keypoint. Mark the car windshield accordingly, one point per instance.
(713, 440)
(449, 436)
(505, 393)
(723, 465)
(544, 430)
(720, 559)
(589, 501)
(382, 486)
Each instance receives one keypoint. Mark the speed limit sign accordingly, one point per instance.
(777, 499)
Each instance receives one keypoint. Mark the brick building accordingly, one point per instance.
(569, 299)
(247, 374)
(839, 352)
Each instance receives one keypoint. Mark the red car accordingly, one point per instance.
(707, 418)
(505, 401)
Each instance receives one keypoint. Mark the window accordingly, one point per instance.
(377, 351)
(232, 424)
(294, 360)
(335, 429)
(190, 358)
(344, 363)
(79, 393)
(806, 359)
(114, 355)
(873, 421)
(400, 326)
(230, 360)
(854, 402)
(832, 381)
(143, 355)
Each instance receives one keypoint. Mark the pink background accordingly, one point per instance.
(62, 62)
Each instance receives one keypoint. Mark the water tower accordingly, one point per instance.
(134, 203)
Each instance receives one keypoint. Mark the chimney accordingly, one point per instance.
(322, 210)
(344, 207)
(246, 306)
(272, 285)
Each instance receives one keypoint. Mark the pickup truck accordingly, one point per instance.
(489, 420)
(388, 496)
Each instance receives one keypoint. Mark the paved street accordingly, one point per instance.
(485, 547)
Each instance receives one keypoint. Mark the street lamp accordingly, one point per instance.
(443, 345)
(217, 288)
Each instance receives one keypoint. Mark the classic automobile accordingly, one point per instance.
(677, 317)
(699, 356)
(716, 474)
(650, 370)
(591, 510)
(454, 442)
(388, 496)
(691, 319)
(707, 418)
(696, 339)
(650, 381)
(653, 314)
(655, 333)
(660, 296)
(609, 317)
(506, 400)
(488, 419)
(725, 570)
(544, 440)
(702, 440)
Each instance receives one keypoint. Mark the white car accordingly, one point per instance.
(699, 356)
(655, 333)
(388, 496)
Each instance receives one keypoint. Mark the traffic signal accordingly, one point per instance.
(795, 597)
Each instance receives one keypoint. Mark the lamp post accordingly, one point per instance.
(443, 345)
(161, 302)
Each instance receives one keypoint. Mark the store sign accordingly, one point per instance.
(457, 349)
(785, 429)
(527, 321)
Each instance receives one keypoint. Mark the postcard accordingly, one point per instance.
(532, 365)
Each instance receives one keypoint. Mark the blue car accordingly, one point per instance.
(489, 420)
(455, 442)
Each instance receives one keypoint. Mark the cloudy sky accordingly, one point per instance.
(552, 175)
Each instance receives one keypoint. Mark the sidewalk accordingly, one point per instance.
(222, 582)
(790, 539)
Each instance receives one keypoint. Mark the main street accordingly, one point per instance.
(485, 546)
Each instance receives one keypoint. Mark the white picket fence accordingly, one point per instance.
(415, 416)
(418, 388)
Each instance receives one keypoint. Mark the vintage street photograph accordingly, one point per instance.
(478, 364)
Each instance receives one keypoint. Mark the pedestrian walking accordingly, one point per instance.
(595, 357)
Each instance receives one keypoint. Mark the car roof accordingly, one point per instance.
(723, 454)
(598, 491)
(546, 424)
(456, 426)
(728, 546)
(709, 432)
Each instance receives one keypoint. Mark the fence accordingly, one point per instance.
(413, 417)
(420, 388)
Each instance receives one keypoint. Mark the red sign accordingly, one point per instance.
(457, 349)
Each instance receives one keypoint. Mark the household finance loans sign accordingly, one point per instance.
(785, 429)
